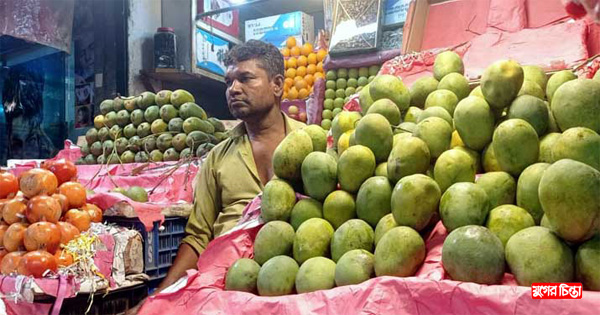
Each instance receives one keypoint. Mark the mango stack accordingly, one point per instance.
(409, 160)
(158, 127)
(303, 66)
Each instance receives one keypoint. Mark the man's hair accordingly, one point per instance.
(269, 57)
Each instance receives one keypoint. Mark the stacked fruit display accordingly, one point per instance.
(42, 210)
(340, 85)
(158, 127)
(534, 211)
(302, 67)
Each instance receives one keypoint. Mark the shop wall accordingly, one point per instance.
(145, 16)
(95, 60)
(177, 14)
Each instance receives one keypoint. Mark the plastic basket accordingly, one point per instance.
(160, 244)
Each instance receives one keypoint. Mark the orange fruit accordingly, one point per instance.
(298, 78)
(290, 73)
(320, 67)
(312, 59)
(321, 54)
(302, 61)
(295, 51)
(285, 52)
(306, 49)
(284, 64)
(300, 84)
(311, 69)
(292, 94)
(301, 71)
(75, 193)
(302, 94)
(292, 62)
(310, 79)
(290, 42)
(284, 96)
(319, 75)
(288, 82)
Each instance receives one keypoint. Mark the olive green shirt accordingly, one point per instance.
(227, 181)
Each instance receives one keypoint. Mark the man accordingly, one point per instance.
(236, 170)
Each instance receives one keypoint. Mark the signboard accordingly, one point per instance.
(228, 21)
(210, 52)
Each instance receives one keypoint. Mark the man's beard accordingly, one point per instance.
(249, 112)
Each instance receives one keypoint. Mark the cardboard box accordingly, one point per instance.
(277, 28)
(395, 11)
(210, 52)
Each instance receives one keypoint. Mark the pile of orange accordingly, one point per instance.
(303, 66)
(40, 212)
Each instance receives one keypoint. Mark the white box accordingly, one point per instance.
(277, 28)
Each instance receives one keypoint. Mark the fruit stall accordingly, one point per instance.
(449, 180)
(449, 165)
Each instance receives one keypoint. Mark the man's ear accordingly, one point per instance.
(277, 83)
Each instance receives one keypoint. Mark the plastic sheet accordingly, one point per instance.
(364, 60)
(428, 292)
(169, 186)
(507, 15)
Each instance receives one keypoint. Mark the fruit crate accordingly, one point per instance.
(160, 244)
(117, 301)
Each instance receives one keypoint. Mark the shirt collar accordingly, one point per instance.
(240, 129)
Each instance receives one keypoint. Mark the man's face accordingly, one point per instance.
(250, 92)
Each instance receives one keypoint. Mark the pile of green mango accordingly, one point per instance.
(166, 126)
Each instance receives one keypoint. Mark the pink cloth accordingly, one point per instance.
(178, 187)
(428, 292)
(314, 105)
(60, 288)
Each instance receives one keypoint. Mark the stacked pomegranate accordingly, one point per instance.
(41, 210)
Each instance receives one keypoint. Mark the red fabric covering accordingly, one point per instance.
(507, 15)
(553, 47)
(428, 292)
(8, 286)
(593, 39)
(103, 259)
(543, 12)
(454, 22)
(564, 45)
(177, 188)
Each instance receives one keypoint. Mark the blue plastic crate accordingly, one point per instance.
(160, 245)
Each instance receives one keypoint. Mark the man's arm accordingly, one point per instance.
(187, 258)
(199, 229)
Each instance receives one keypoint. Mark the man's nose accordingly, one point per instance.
(235, 87)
